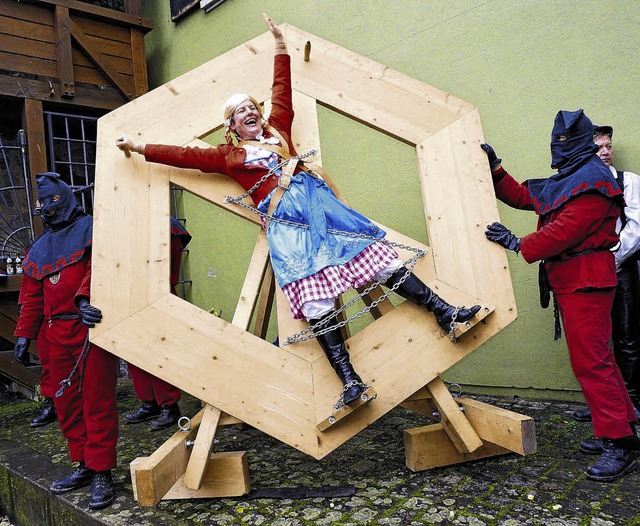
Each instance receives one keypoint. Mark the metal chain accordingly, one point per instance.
(410, 263)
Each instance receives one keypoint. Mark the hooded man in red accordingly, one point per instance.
(577, 211)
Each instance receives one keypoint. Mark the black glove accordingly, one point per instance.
(89, 315)
(500, 234)
(494, 160)
(21, 351)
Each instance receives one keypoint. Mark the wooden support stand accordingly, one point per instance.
(469, 431)
(184, 468)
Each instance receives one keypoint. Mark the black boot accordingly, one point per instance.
(582, 415)
(146, 411)
(169, 415)
(102, 492)
(333, 346)
(617, 459)
(47, 416)
(80, 477)
(417, 292)
(591, 446)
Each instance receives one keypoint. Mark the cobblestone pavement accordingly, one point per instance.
(546, 488)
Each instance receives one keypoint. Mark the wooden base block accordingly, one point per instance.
(430, 447)
(227, 475)
(367, 396)
(502, 431)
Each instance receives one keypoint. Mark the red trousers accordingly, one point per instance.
(47, 387)
(149, 387)
(586, 316)
(87, 410)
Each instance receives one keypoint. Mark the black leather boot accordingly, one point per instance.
(102, 492)
(617, 458)
(582, 415)
(169, 416)
(591, 446)
(47, 416)
(80, 477)
(146, 411)
(417, 292)
(333, 346)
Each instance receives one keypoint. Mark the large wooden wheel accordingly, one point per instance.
(288, 392)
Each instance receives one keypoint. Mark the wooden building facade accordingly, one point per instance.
(63, 64)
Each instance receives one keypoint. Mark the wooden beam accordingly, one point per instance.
(453, 419)
(64, 58)
(45, 90)
(502, 427)
(153, 476)
(252, 283)
(197, 466)
(265, 303)
(139, 60)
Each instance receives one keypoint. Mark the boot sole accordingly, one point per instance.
(58, 491)
(611, 478)
(100, 505)
(139, 421)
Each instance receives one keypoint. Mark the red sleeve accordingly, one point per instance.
(513, 193)
(85, 287)
(207, 160)
(281, 116)
(32, 311)
(578, 225)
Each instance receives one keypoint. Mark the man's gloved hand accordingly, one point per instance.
(89, 315)
(494, 160)
(21, 351)
(500, 234)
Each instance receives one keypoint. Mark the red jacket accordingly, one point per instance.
(42, 299)
(228, 159)
(585, 222)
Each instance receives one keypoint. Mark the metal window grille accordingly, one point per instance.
(16, 221)
(72, 151)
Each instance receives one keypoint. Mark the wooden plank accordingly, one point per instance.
(502, 427)
(99, 13)
(454, 421)
(63, 51)
(23, 11)
(430, 447)
(227, 476)
(201, 451)
(28, 64)
(153, 476)
(24, 29)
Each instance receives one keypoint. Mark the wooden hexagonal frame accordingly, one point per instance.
(287, 392)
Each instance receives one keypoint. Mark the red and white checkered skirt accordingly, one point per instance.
(332, 281)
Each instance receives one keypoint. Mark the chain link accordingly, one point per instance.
(315, 330)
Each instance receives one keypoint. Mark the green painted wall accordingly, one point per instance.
(519, 62)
